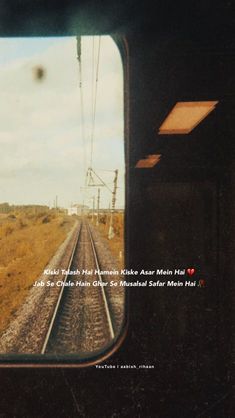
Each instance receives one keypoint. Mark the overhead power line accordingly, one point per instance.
(95, 100)
(83, 133)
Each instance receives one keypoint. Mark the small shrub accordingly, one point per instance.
(46, 219)
(11, 216)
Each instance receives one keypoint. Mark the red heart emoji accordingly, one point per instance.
(190, 271)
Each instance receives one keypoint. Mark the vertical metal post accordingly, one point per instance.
(98, 208)
(111, 229)
(93, 208)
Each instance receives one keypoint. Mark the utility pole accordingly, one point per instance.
(114, 193)
(98, 207)
(93, 208)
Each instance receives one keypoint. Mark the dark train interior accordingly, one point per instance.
(179, 214)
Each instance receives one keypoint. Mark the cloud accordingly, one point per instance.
(41, 128)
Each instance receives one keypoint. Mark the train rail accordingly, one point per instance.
(82, 321)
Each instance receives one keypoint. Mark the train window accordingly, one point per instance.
(61, 199)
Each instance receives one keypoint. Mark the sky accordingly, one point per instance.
(43, 150)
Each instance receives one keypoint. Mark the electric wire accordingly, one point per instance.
(83, 132)
(95, 101)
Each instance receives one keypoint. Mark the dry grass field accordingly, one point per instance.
(28, 240)
(117, 243)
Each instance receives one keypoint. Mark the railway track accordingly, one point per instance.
(82, 321)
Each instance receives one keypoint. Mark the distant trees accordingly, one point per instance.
(6, 208)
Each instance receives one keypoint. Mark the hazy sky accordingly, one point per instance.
(42, 152)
